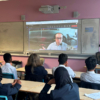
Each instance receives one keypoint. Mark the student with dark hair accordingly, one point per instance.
(64, 89)
(9, 89)
(64, 63)
(34, 70)
(90, 75)
(8, 68)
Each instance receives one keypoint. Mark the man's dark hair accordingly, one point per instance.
(91, 63)
(7, 57)
(62, 58)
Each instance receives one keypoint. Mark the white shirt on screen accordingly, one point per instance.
(90, 76)
(54, 46)
(70, 71)
(7, 68)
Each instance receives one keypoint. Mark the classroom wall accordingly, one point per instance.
(10, 11)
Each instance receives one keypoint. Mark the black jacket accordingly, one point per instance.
(39, 73)
(89, 85)
(64, 93)
(8, 90)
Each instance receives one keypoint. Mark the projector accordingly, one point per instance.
(47, 9)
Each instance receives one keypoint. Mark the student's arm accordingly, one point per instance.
(13, 90)
(43, 94)
(71, 73)
(15, 73)
(14, 87)
(10, 90)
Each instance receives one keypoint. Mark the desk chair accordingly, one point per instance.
(89, 85)
(8, 75)
(3, 97)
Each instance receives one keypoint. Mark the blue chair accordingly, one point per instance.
(8, 75)
(3, 97)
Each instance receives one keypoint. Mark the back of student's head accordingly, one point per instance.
(7, 57)
(62, 58)
(34, 60)
(62, 77)
(91, 63)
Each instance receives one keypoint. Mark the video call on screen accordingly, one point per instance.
(40, 37)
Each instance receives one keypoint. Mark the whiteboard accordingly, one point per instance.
(11, 36)
(90, 36)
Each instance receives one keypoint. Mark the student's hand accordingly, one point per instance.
(19, 82)
(52, 81)
(43, 48)
(15, 81)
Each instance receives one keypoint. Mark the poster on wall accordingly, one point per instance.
(90, 36)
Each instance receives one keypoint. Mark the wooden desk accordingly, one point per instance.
(22, 69)
(26, 85)
(49, 71)
(78, 74)
(82, 91)
(36, 87)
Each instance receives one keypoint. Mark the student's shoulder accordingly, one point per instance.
(69, 68)
(13, 67)
(40, 67)
(84, 74)
(27, 66)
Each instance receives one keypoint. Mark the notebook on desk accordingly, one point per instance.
(93, 96)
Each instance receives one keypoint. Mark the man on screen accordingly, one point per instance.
(58, 44)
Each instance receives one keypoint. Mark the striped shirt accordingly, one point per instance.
(7, 68)
(90, 76)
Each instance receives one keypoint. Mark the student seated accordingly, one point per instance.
(64, 89)
(90, 75)
(33, 70)
(8, 68)
(64, 63)
(10, 88)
